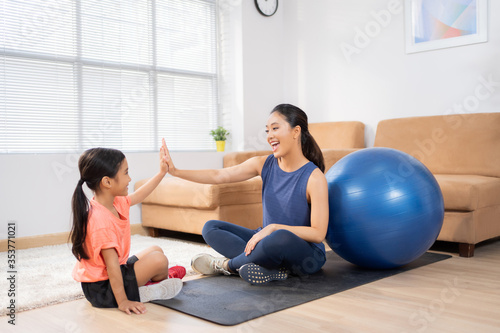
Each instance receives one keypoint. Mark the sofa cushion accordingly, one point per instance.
(338, 134)
(466, 144)
(469, 192)
(332, 156)
(174, 191)
(328, 136)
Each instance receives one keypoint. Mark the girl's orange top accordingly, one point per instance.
(104, 231)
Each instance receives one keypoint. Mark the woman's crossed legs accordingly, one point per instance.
(280, 250)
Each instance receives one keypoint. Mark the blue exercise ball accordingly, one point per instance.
(386, 208)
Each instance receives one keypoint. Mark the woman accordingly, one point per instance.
(294, 202)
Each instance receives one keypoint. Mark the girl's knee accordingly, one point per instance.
(156, 248)
(158, 259)
(147, 251)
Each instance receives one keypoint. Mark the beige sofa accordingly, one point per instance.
(180, 205)
(463, 153)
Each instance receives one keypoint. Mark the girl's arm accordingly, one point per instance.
(246, 170)
(116, 280)
(142, 192)
(317, 190)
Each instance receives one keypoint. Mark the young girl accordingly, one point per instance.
(294, 202)
(101, 237)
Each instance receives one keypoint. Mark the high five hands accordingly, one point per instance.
(166, 163)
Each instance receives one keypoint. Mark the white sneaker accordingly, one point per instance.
(165, 289)
(209, 265)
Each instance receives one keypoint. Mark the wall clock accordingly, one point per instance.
(267, 7)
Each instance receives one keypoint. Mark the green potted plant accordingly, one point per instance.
(220, 136)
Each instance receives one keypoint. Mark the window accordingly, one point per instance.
(110, 73)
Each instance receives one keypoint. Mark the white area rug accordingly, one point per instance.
(44, 273)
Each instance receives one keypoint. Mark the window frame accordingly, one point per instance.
(152, 70)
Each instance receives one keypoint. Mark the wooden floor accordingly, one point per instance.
(454, 295)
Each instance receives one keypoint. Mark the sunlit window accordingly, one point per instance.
(110, 73)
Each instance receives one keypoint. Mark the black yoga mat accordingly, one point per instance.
(229, 300)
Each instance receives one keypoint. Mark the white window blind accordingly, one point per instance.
(109, 73)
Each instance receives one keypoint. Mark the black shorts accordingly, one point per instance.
(100, 294)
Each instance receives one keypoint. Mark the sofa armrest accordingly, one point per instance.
(332, 156)
(177, 192)
(235, 158)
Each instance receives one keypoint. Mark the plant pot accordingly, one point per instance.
(221, 145)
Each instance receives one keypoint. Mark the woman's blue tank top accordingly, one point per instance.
(284, 195)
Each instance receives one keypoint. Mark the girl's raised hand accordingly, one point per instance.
(166, 165)
(165, 159)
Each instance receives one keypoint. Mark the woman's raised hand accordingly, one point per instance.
(165, 159)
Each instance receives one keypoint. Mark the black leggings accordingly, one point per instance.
(281, 249)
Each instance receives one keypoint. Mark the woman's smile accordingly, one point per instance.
(275, 145)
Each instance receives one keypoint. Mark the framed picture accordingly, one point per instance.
(437, 24)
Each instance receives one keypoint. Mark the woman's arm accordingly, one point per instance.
(317, 192)
(317, 189)
(116, 280)
(246, 170)
(142, 192)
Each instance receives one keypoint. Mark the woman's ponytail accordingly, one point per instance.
(311, 150)
(80, 209)
(296, 117)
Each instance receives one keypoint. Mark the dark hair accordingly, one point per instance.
(296, 117)
(94, 164)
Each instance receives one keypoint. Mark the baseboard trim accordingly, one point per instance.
(138, 229)
(55, 239)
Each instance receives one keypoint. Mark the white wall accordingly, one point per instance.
(36, 189)
(380, 81)
(263, 70)
(293, 57)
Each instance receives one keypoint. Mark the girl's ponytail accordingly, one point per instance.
(80, 209)
(94, 164)
(296, 117)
